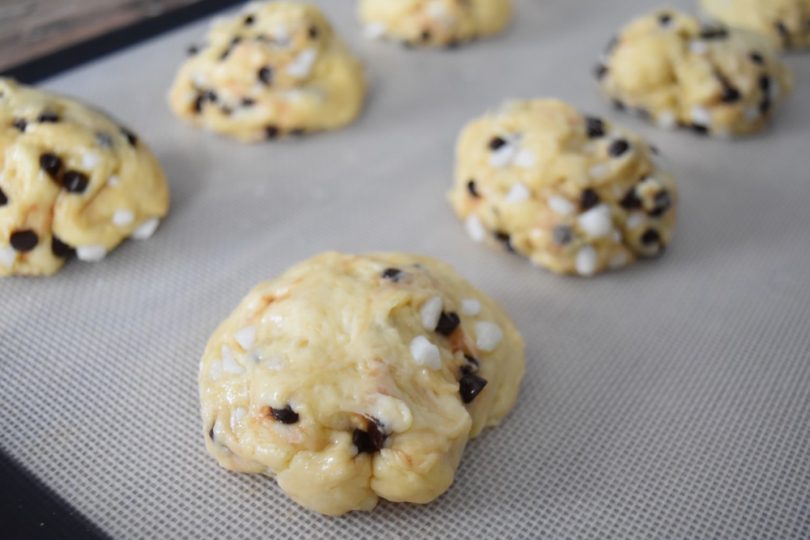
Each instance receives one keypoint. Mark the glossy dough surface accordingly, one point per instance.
(570, 192)
(72, 181)
(785, 22)
(276, 69)
(351, 378)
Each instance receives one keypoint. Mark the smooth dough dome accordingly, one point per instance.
(570, 192)
(671, 69)
(785, 22)
(73, 181)
(438, 23)
(276, 69)
(351, 378)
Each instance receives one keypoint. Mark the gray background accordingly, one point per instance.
(667, 400)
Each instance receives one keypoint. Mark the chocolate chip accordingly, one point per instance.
(700, 129)
(285, 415)
(563, 235)
(24, 241)
(713, 32)
(248, 20)
(469, 386)
(631, 201)
(392, 274)
(765, 106)
(48, 117)
(248, 102)
(3, 198)
(757, 58)
(132, 139)
(600, 71)
(496, 142)
(448, 322)
(588, 199)
(764, 83)
(664, 19)
(20, 124)
(211, 96)
(192, 50)
(313, 32)
(75, 181)
(371, 440)
(618, 148)
(473, 191)
(234, 42)
(266, 75)
(425, 36)
(650, 237)
(51, 164)
(730, 95)
(504, 239)
(595, 127)
(61, 249)
(271, 132)
(199, 102)
(663, 202)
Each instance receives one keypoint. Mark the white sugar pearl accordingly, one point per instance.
(517, 194)
(301, 66)
(123, 218)
(525, 159)
(701, 116)
(561, 206)
(596, 222)
(229, 365)
(393, 413)
(90, 160)
(7, 256)
(375, 30)
(503, 156)
(430, 313)
(699, 47)
(91, 253)
(586, 261)
(667, 120)
(113, 181)
(635, 220)
(245, 337)
(487, 336)
(146, 229)
(470, 306)
(475, 229)
(599, 171)
(425, 353)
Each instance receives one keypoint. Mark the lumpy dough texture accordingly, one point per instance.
(276, 69)
(72, 181)
(785, 22)
(673, 70)
(434, 22)
(351, 378)
(570, 192)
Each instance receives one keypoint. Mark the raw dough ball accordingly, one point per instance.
(351, 378)
(434, 22)
(570, 192)
(669, 68)
(72, 180)
(276, 69)
(785, 22)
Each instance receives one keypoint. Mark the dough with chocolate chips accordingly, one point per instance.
(674, 71)
(276, 69)
(572, 193)
(438, 23)
(351, 378)
(72, 181)
(785, 22)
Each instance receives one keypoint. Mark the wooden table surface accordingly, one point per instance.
(32, 28)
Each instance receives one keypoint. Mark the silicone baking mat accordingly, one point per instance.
(667, 400)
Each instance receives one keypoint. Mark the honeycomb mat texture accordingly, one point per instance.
(669, 400)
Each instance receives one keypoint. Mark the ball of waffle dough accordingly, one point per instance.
(437, 23)
(785, 22)
(73, 181)
(570, 192)
(351, 378)
(675, 71)
(276, 69)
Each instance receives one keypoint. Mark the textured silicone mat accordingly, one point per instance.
(669, 400)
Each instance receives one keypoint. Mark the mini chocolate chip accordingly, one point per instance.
(425, 36)
(24, 241)
(469, 386)
(631, 201)
(199, 101)
(664, 19)
(473, 191)
(3, 198)
(600, 71)
(563, 235)
(132, 139)
(393, 274)
(765, 106)
(663, 202)
(765, 83)
(51, 164)
(650, 237)
(783, 32)
(211, 433)
(756, 58)
(618, 147)
(285, 415)
(61, 249)
(371, 440)
(104, 140)
(249, 19)
(75, 181)
(588, 199)
(700, 129)
(504, 239)
(448, 322)
(730, 95)
(192, 50)
(496, 143)
(48, 117)
(271, 132)
(248, 102)
(266, 75)
(298, 132)
(595, 127)
(619, 105)
(314, 32)
(20, 124)
(713, 32)
(211, 96)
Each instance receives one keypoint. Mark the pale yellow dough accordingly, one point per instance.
(570, 192)
(785, 22)
(72, 180)
(434, 22)
(342, 351)
(675, 71)
(276, 69)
